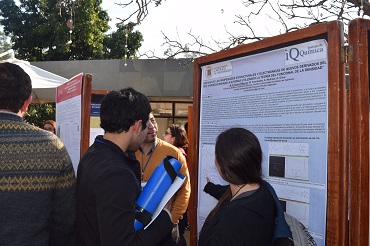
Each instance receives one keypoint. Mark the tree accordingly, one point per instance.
(290, 15)
(90, 24)
(140, 10)
(34, 26)
(115, 46)
(43, 30)
(37, 114)
(4, 44)
(39, 30)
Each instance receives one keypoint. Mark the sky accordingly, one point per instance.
(208, 18)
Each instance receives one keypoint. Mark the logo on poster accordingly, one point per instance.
(303, 53)
(209, 72)
(222, 69)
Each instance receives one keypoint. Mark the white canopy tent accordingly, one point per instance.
(44, 83)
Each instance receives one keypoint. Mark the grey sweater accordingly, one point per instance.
(37, 186)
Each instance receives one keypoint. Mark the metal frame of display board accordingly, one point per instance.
(337, 165)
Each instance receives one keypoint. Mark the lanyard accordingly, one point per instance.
(142, 159)
(147, 162)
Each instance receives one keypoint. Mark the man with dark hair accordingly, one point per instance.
(37, 180)
(150, 154)
(108, 178)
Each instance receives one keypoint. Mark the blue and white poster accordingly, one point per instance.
(282, 97)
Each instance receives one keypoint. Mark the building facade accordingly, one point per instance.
(167, 83)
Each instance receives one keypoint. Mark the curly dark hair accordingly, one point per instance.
(181, 138)
(120, 109)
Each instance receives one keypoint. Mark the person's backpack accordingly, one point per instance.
(300, 234)
(282, 234)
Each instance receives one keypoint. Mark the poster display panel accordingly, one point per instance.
(68, 116)
(282, 97)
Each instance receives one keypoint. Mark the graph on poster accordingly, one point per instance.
(288, 160)
(208, 158)
(295, 201)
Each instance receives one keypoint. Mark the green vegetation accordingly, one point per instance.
(37, 114)
(59, 30)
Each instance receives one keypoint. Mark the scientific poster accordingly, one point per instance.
(282, 97)
(68, 116)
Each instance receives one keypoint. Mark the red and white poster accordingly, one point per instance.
(68, 116)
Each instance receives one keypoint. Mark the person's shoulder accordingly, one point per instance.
(163, 145)
(263, 193)
(97, 166)
(169, 149)
(49, 138)
(13, 122)
(36, 134)
(258, 201)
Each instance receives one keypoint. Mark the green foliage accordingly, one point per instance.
(37, 114)
(33, 27)
(4, 44)
(115, 43)
(90, 24)
(39, 31)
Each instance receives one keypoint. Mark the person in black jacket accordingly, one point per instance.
(245, 214)
(108, 177)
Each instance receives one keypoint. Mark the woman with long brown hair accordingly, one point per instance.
(245, 215)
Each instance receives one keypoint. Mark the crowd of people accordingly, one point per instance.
(43, 203)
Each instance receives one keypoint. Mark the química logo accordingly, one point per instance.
(313, 50)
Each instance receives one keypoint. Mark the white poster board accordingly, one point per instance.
(282, 97)
(68, 116)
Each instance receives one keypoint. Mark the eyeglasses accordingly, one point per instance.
(49, 129)
(167, 133)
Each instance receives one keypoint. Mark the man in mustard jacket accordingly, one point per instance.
(150, 155)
